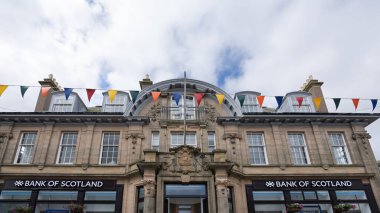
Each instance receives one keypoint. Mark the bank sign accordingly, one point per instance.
(290, 184)
(59, 184)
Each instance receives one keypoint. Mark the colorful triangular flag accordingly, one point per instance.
(337, 102)
(23, 90)
(134, 95)
(299, 100)
(279, 100)
(44, 91)
(68, 91)
(155, 95)
(374, 103)
(241, 99)
(198, 97)
(112, 94)
(90, 93)
(3, 88)
(220, 98)
(177, 96)
(260, 99)
(317, 102)
(356, 102)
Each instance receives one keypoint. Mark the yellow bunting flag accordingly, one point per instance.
(3, 88)
(220, 98)
(44, 91)
(112, 95)
(155, 96)
(317, 102)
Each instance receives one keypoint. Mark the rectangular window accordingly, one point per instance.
(211, 141)
(177, 139)
(350, 195)
(339, 148)
(117, 105)
(298, 149)
(256, 148)
(57, 195)
(25, 148)
(156, 141)
(177, 111)
(110, 148)
(67, 148)
(305, 107)
(63, 105)
(250, 104)
(140, 199)
(268, 195)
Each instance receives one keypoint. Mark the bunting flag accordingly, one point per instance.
(260, 99)
(177, 96)
(112, 95)
(90, 93)
(44, 91)
(220, 98)
(337, 102)
(356, 102)
(198, 97)
(23, 90)
(155, 95)
(299, 100)
(317, 102)
(241, 99)
(134, 95)
(3, 88)
(68, 91)
(279, 100)
(374, 103)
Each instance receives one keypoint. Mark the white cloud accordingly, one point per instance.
(337, 42)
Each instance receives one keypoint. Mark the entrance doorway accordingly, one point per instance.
(185, 198)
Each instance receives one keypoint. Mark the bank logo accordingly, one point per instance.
(19, 183)
(269, 184)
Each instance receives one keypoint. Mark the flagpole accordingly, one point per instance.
(185, 106)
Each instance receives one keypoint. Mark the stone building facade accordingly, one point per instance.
(133, 156)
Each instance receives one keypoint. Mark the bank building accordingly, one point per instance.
(167, 154)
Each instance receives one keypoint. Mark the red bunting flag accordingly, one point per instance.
(90, 93)
(155, 95)
(44, 91)
(356, 102)
(260, 99)
(198, 97)
(300, 100)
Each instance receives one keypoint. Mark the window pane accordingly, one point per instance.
(26, 147)
(298, 149)
(309, 195)
(15, 195)
(269, 208)
(41, 208)
(350, 195)
(68, 147)
(323, 195)
(256, 148)
(296, 195)
(185, 190)
(110, 148)
(268, 195)
(100, 208)
(177, 139)
(57, 195)
(100, 195)
(9, 205)
(338, 148)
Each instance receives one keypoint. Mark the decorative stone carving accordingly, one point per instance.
(210, 112)
(363, 138)
(134, 137)
(222, 186)
(155, 112)
(4, 136)
(149, 187)
(185, 159)
(232, 136)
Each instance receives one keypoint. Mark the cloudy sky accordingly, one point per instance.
(266, 46)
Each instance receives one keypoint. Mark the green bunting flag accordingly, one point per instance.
(23, 90)
(241, 99)
(337, 102)
(134, 95)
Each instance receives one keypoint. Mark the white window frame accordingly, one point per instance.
(305, 106)
(263, 146)
(60, 148)
(211, 148)
(305, 148)
(60, 104)
(182, 139)
(177, 112)
(155, 146)
(102, 146)
(250, 104)
(20, 145)
(117, 105)
(345, 149)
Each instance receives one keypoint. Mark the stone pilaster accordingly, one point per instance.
(5, 136)
(221, 185)
(149, 194)
(279, 145)
(87, 145)
(324, 154)
(46, 137)
(134, 144)
(233, 147)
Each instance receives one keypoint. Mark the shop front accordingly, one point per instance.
(315, 196)
(55, 195)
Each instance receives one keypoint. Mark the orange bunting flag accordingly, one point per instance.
(220, 98)
(260, 99)
(198, 97)
(112, 95)
(3, 88)
(299, 99)
(317, 102)
(44, 91)
(155, 95)
(356, 102)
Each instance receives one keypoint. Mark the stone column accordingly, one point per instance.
(221, 184)
(149, 195)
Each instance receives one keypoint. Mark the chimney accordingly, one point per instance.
(43, 103)
(146, 82)
(313, 86)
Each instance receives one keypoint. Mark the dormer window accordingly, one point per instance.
(119, 104)
(177, 112)
(291, 103)
(250, 103)
(62, 105)
(59, 103)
